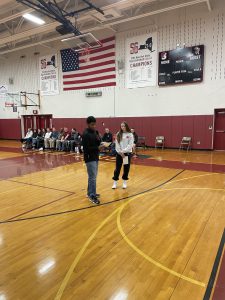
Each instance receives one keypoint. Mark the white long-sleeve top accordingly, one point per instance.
(29, 134)
(126, 144)
(48, 135)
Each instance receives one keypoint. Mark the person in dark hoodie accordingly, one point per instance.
(91, 147)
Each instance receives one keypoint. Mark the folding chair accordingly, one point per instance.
(141, 142)
(185, 143)
(160, 142)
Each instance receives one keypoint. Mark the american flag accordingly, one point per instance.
(98, 72)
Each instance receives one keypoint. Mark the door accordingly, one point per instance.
(28, 122)
(44, 121)
(219, 131)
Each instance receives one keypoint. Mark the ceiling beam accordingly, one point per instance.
(108, 24)
(14, 16)
(209, 5)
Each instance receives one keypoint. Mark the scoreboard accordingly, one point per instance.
(182, 65)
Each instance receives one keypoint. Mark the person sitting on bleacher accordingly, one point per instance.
(47, 138)
(40, 140)
(53, 138)
(27, 139)
(64, 140)
(59, 138)
(35, 138)
(107, 138)
(75, 141)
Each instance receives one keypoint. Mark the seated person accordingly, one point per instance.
(113, 146)
(47, 137)
(135, 141)
(54, 136)
(75, 141)
(65, 140)
(27, 139)
(34, 137)
(59, 138)
(40, 140)
(107, 138)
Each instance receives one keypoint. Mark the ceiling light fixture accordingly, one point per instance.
(34, 19)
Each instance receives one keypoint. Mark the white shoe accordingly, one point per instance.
(114, 185)
(124, 184)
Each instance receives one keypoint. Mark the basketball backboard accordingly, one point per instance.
(82, 42)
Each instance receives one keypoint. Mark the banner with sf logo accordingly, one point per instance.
(49, 77)
(141, 61)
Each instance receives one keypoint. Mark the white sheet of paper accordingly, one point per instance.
(125, 160)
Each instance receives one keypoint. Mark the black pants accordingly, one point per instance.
(126, 168)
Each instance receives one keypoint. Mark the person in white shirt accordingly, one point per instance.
(124, 146)
(47, 138)
(28, 138)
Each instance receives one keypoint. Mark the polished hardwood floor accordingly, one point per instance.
(157, 240)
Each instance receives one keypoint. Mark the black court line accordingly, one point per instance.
(215, 269)
(36, 208)
(89, 207)
(36, 185)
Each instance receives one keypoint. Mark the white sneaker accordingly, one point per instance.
(114, 185)
(124, 184)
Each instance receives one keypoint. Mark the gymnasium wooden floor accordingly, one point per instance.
(162, 238)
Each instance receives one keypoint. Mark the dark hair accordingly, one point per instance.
(90, 120)
(120, 133)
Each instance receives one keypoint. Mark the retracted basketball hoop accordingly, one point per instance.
(85, 53)
(84, 44)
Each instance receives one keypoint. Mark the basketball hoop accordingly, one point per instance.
(86, 54)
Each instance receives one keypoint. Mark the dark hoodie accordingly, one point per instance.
(91, 143)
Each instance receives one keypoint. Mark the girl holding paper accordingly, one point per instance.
(124, 146)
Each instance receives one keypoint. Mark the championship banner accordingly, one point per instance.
(141, 61)
(49, 77)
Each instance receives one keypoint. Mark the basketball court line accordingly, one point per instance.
(88, 207)
(90, 239)
(102, 204)
(36, 208)
(148, 258)
(41, 186)
(215, 268)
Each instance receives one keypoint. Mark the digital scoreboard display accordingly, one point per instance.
(182, 65)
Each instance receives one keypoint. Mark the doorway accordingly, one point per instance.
(219, 130)
(35, 122)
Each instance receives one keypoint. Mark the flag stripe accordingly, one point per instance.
(100, 78)
(98, 57)
(90, 86)
(81, 85)
(89, 73)
(91, 77)
(101, 49)
(109, 62)
(110, 39)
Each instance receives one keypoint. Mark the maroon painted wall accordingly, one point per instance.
(10, 129)
(172, 127)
